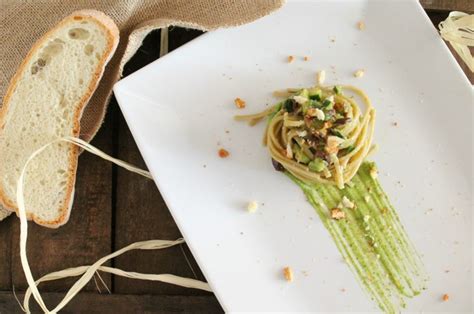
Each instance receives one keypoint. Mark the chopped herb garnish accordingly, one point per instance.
(348, 149)
(289, 105)
(315, 94)
(315, 104)
(328, 104)
(317, 165)
(337, 89)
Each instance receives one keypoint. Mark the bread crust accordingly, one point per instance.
(108, 25)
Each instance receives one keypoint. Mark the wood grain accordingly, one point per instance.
(448, 5)
(105, 303)
(87, 235)
(5, 253)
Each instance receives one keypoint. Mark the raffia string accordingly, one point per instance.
(458, 30)
(87, 272)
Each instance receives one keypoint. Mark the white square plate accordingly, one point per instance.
(180, 107)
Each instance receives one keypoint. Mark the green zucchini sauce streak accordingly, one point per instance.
(343, 188)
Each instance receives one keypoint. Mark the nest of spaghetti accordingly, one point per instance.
(319, 134)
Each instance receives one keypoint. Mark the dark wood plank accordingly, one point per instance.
(448, 5)
(116, 303)
(87, 235)
(5, 253)
(141, 213)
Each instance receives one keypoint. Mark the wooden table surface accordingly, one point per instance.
(114, 208)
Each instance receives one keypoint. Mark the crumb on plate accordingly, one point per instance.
(445, 297)
(288, 274)
(305, 58)
(252, 207)
(223, 153)
(239, 103)
(337, 213)
(321, 77)
(374, 172)
(361, 25)
(347, 202)
(290, 59)
(359, 73)
(395, 123)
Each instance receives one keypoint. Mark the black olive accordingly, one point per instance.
(277, 165)
(341, 121)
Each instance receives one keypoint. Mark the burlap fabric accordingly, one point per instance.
(23, 22)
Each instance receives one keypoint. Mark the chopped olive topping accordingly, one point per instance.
(337, 133)
(277, 165)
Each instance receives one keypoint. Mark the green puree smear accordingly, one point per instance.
(371, 238)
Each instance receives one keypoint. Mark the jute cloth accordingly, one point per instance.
(23, 22)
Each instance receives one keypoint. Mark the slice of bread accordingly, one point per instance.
(45, 101)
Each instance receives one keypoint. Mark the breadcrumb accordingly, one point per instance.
(347, 202)
(374, 172)
(361, 25)
(359, 73)
(321, 77)
(337, 213)
(290, 59)
(288, 274)
(305, 58)
(445, 297)
(239, 103)
(252, 207)
(223, 153)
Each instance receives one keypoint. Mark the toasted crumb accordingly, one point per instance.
(337, 213)
(445, 297)
(361, 25)
(252, 207)
(321, 77)
(239, 103)
(359, 73)
(374, 172)
(227, 131)
(288, 273)
(395, 123)
(290, 59)
(223, 153)
(315, 112)
(305, 58)
(347, 202)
